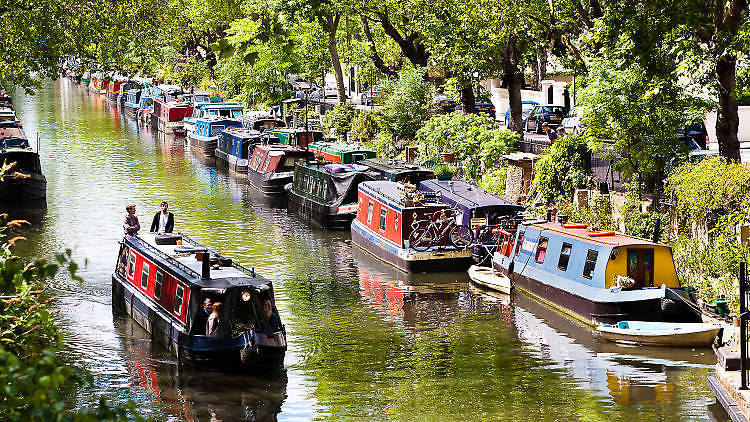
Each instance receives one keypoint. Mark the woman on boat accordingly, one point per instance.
(212, 324)
(131, 225)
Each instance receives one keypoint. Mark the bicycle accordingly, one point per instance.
(431, 232)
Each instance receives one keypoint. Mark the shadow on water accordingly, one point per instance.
(31, 211)
(194, 395)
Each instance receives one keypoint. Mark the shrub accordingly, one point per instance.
(340, 118)
(561, 169)
(444, 170)
(494, 181)
(367, 124)
(406, 102)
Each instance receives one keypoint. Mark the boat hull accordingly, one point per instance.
(595, 313)
(234, 164)
(203, 145)
(31, 188)
(407, 259)
(323, 215)
(270, 183)
(703, 338)
(484, 276)
(200, 352)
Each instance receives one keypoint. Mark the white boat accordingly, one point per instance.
(484, 276)
(677, 334)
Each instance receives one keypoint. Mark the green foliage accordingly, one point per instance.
(406, 102)
(471, 137)
(340, 118)
(561, 169)
(706, 190)
(597, 214)
(639, 223)
(494, 181)
(443, 169)
(366, 124)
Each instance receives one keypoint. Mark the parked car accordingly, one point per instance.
(695, 132)
(443, 103)
(330, 91)
(572, 122)
(526, 107)
(550, 114)
(483, 105)
(371, 96)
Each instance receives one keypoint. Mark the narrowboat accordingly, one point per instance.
(132, 101)
(162, 283)
(272, 167)
(205, 138)
(113, 90)
(99, 85)
(260, 121)
(123, 95)
(228, 110)
(597, 277)
(235, 147)
(296, 137)
(7, 114)
(86, 77)
(146, 103)
(24, 181)
(169, 92)
(398, 170)
(168, 115)
(478, 209)
(387, 214)
(199, 97)
(327, 193)
(340, 152)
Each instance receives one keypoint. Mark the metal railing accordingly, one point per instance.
(163, 255)
(250, 272)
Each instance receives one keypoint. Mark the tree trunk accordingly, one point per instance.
(727, 119)
(333, 25)
(468, 99)
(411, 46)
(376, 59)
(513, 79)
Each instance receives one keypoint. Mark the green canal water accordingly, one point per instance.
(365, 341)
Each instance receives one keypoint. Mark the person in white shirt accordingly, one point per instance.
(163, 220)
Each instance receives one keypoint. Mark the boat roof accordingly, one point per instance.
(616, 239)
(14, 142)
(278, 147)
(169, 88)
(466, 194)
(187, 264)
(392, 191)
(11, 132)
(333, 168)
(338, 147)
(393, 166)
(210, 106)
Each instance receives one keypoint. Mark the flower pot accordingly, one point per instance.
(448, 157)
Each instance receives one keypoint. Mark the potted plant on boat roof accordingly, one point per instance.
(444, 171)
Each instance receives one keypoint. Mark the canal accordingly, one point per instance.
(365, 341)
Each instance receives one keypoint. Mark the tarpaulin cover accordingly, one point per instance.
(343, 186)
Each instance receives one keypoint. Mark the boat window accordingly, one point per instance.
(178, 294)
(588, 268)
(144, 276)
(562, 263)
(383, 216)
(370, 207)
(157, 285)
(395, 222)
(268, 161)
(541, 250)
(131, 265)
(520, 241)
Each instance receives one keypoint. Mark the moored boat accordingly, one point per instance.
(132, 101)
(205, 138)
(23, 181)
(162, 285)
(272, 167)
(388, 213)
(485, 276)
(236, 145)
(398, 170)
(260, 121)
(670, 334)
(168, 115)
(598, 277)
(340, 152)
(113, 90)
(296, 137)
(227, 110)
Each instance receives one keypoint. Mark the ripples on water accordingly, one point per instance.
(366, 342)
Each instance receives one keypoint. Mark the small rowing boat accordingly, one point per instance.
(484, 276)
(673, 334)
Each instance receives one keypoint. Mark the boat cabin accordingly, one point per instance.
(398, 170)
(238, 142)
(171, 110)
(170, 91)
(113, 88)
(133, 99)
(296, 137)
(260, 121)
(477, 206)
(340, 152)
(272, 167)
(211, 127)
(228, 110)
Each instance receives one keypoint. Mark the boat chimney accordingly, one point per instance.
(206, 267)
(657, 230)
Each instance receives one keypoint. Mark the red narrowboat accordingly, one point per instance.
(168, 115)
(272, 166)
(387, 214)
(113, 90)
(163, 281)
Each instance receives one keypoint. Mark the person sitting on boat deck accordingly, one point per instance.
(273, 318)
(163, 220)
(131, 225)
(202, 316)
(212, 324)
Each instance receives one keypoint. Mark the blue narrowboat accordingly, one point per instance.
(205, 138)
(387, 214)
(598, 277)
(227, 110)
(235, 147)
(146, 103)
(163, 282)
(132, 101)
(478, 209)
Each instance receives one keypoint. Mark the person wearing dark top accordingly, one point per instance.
(202, 316)
(130, 224)
(273, 318)
(551, 134)
(163, 220)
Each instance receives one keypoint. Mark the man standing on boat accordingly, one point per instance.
(163, 220)
(131, 225)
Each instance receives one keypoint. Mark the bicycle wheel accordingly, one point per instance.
(420, 239)
(460, 236)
